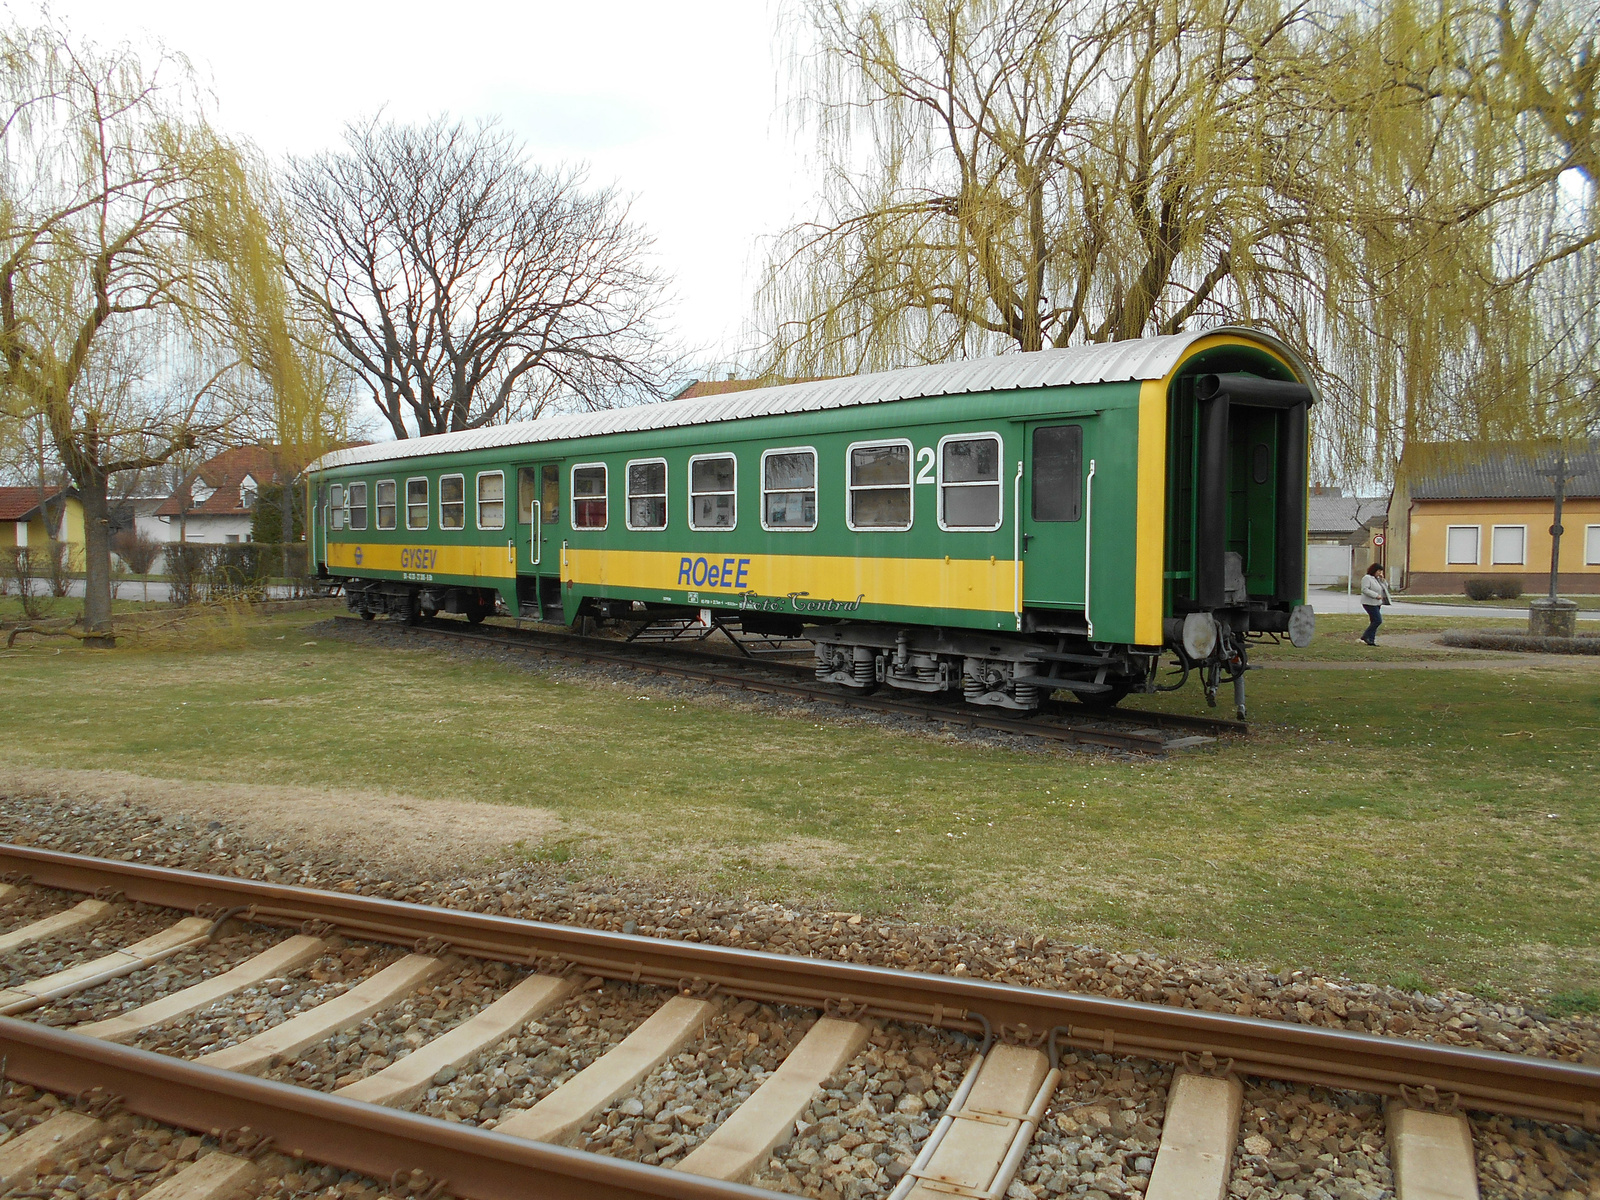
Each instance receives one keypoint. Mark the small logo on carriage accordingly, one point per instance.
(802, 604)
(796, 602)
(358, 556)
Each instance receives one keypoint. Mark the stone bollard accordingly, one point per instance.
(1553, 618)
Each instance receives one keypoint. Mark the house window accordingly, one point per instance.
(386, 504)
(712, 482)
(789, 489)
(1057, 473)
(1591, 546)
(647, 493)
(880, 486)
(589, 496)
(336, 506)
(1508, 545)
(1461, 545)
(969, 482)
(452, 502)
(492, 500)
(247, 492)
(356, 501)
(416, 504)
(230, 537)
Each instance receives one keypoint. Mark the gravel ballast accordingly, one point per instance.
(1100, 1132)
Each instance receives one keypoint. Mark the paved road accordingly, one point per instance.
(1337, 602)
(157, 591)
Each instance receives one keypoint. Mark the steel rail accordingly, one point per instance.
(1519, 1085)
(1139, 743)
(465, 1161)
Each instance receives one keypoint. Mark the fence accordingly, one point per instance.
(199, 572)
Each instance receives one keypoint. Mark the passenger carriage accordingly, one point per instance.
(999, 528)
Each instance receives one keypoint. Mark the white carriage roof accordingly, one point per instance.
(1111, 362)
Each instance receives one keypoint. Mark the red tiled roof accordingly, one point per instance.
(21, 503)
(224, 474)
(718, 387)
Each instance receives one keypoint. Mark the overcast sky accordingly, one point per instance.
(676, 103)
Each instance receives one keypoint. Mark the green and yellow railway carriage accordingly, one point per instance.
(1002, 528)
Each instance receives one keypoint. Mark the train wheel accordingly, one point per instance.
(476, 616)
(367, 614)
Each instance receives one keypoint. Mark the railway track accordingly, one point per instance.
(1005, 1065)
(1136, 732)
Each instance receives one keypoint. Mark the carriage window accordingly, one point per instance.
(336, 506)
(452, 502)
(387, 510)
(880, 486)
(789, 489)
(1261, 462)
(492, 500)
(1057, 473)
(356, 501)
(550, 497)
(416, 504)
(969, 483)
(527, 492)
(711, 492)
(647, 494)
(589, 496)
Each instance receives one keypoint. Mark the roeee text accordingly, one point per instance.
(702, 572)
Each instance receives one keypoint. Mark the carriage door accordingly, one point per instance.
(538, 539)
(1053, 516)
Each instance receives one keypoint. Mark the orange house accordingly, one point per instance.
(1461, 512)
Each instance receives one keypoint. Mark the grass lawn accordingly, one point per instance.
(1430, 825)
(71, 607)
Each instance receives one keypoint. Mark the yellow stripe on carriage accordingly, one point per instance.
(477, 562)
(983, 585)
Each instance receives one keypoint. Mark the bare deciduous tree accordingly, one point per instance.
(466, 287)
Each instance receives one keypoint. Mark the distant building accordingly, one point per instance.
(1339, 534)
(700, 388)
(1462, 512)
(217, 502)
(23, 519)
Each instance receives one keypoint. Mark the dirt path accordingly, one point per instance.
(423, 835)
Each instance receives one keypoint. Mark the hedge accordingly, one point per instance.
(1584, 643)
(1497, 587)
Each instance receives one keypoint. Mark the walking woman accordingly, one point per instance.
(1374, 595)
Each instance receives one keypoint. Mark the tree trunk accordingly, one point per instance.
(96, 559)
(92, 493)
(286, 526)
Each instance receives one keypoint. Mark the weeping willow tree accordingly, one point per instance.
(300, 399)
(1389, 186)
(1462, 255)
(133, 250)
